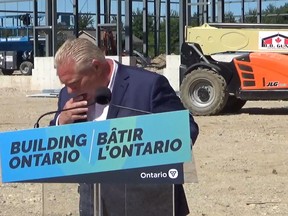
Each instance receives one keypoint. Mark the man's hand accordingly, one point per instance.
(78, 113)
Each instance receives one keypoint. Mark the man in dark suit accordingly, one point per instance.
(82, 68)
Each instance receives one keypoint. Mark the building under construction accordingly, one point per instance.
(50, 18)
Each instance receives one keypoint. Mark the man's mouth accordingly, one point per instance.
(84, 95)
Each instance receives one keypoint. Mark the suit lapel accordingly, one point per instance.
(120, 86)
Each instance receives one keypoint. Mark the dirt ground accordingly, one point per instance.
(241, 162)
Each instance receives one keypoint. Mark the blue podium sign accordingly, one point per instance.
(94, 147)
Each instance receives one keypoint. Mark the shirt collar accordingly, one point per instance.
(114, 72)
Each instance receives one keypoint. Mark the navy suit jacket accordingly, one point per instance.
(139, 89)
(144, 90)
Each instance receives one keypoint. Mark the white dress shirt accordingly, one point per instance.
(98, 112)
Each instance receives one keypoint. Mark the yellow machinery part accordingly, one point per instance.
(217, 40)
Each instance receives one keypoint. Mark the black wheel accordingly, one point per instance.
(26, 68)
(233, 104)
(7, 71)
(203, 92)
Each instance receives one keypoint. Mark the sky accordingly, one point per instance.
(67, 5)
(85, 6)
(88, 6)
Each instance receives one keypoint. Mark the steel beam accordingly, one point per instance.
(168, 27)
(128, 27)
(145, 27)
(76, 17)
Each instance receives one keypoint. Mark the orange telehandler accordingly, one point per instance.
(257, 68)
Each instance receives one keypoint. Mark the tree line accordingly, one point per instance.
(270, 15)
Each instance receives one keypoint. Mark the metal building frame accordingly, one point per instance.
(51, 14)
(212, 10)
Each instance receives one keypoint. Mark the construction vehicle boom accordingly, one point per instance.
(223, 67)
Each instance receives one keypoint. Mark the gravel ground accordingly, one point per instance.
(241, 162)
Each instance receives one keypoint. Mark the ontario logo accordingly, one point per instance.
(270, 40)
(172, 173)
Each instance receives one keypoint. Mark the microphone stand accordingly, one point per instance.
(36, 125)
(103, 96)
(131, 109)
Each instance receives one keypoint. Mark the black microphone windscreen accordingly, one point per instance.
(103, 95)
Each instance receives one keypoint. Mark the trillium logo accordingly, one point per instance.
(173, 173)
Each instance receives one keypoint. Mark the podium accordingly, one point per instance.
(125, 166)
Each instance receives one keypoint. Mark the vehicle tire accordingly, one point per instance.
(26, 68)
(233, 105)
(203, 92)
(7, 71)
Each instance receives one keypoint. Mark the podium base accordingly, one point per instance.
(134, 199)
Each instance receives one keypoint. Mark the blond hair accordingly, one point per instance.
(81, 51)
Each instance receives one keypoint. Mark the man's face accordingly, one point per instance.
(79, 83)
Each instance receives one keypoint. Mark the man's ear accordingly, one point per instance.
(96, 64)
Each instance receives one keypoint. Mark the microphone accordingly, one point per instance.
(106, 98)
(103, 96)
(132, 109)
